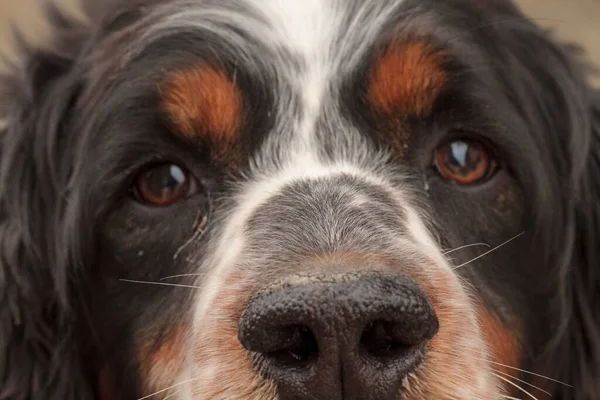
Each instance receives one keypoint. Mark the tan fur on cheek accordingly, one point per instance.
(455, 365)
(224, 370)
(503, 344)
(161, 361)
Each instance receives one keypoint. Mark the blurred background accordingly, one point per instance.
(573, 20)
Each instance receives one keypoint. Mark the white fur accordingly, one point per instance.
(307, 28)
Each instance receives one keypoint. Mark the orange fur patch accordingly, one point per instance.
(455, 365)
(406, 79)
(161, 361)
(503, 345)
(203, 101)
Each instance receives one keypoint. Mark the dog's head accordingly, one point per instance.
(267, 199)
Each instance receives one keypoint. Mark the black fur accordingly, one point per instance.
(39, 317)
(567, 212)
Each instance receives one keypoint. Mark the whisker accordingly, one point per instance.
(488, 252)
(466, 246)
(179, 276)
(510, 397)
(200, 223)
(168, 388)
(525, 382)
(517, 386)
(526, 372)
(160, 283)
(175, 393)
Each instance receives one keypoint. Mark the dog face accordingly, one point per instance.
(299, 200)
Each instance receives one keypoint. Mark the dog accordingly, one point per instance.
(317, 199)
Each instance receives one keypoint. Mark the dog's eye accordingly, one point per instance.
(164, 184)
(464, 161)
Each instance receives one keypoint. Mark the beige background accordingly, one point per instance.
(574, 20)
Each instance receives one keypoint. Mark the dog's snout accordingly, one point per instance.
(350, 338)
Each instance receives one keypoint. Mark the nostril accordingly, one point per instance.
(348, 337)
(297, 347)
(380, 341)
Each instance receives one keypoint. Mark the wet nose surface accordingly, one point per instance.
(354, 338)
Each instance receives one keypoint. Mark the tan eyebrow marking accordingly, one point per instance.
(406, 79)
(203, 101)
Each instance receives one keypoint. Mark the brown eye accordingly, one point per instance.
(464, 161)
(164, 184)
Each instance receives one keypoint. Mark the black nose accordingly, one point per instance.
(350, 338)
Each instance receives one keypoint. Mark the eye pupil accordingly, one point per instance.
(164, 184)
(464, 162)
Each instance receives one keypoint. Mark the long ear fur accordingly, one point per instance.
(40, 357)
(564, 115)
(573, 356)
(579, 345)
(573, 238)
